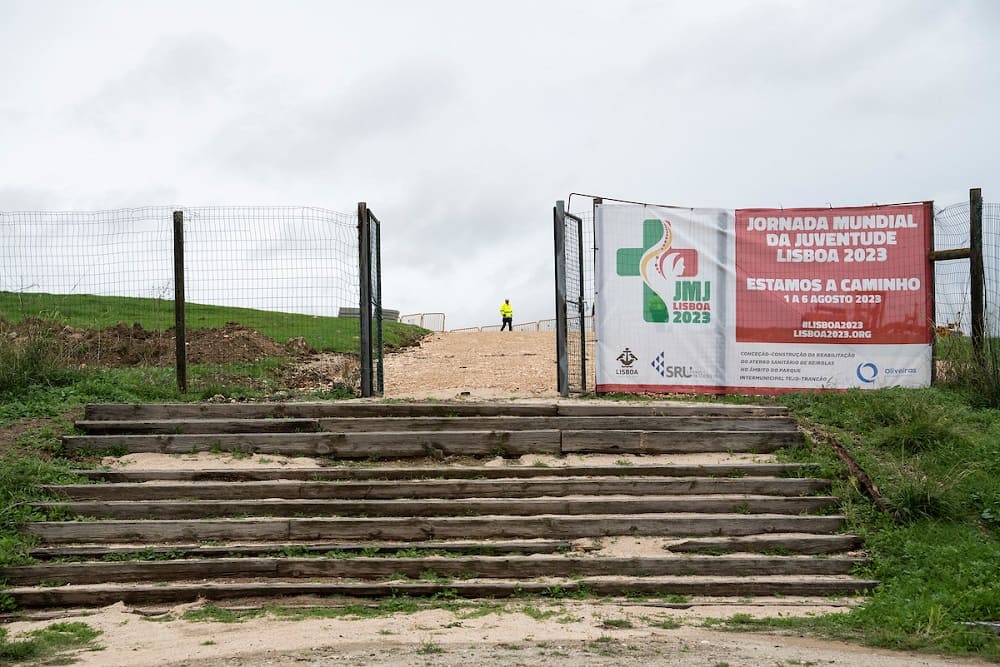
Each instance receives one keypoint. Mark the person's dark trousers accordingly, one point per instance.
(507, 322)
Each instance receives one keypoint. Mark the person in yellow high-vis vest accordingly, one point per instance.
(507, 313)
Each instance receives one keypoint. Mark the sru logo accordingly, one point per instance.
(677, 372)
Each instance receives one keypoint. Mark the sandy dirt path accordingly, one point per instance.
(488, 365)
(563, 634)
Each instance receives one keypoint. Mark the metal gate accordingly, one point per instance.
(370, 312)
(574, 260)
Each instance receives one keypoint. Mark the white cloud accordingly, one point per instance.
(461, 123)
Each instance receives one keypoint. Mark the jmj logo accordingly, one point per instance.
(661, 266)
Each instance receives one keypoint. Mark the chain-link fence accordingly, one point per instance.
(284, 272)
(967, 291)
(953, 278)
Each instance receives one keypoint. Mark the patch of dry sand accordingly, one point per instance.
(494, 633)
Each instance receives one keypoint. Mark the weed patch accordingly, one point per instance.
(47, 642)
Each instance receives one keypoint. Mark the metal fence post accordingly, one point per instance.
(180, 349)
(582, 308)
(976, 273)
(562, 357)
(379, 388)
(933, 295)
(365, 299)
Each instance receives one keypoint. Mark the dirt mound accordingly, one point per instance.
(124, 345)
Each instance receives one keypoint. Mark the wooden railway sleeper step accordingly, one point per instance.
(435, 507)
(480, 567)
(427, 528)
(440, 444)
(138, 551)
(140, 411)
(406, 424)
(443, 488)
(407, 473)
(133, 594)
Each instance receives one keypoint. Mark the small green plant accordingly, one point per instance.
(616, 623)
(662, 622)
(164, 618)
(46, 642)
(213, 614)
(538, 614)
(429, 648)
(674, 598)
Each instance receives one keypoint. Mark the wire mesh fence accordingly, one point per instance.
(284, 272)
(580, 336)
(991, 266)
(275, 260)
(952, 278)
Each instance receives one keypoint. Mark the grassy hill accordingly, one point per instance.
(85, 311)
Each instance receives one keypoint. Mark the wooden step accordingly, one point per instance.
(106, 594)
(479, 567)
(392, 445)
(483, 531)
(153, 411)
(452, 472)
(676, 442)
(433, 507)
(138, 551)
(795, 544)
(409, 528)
(335, 445)
(445, 488)
(388, 424)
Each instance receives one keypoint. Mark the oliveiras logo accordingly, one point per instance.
(671, 292)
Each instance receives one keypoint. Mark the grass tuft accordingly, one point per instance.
(46, 642)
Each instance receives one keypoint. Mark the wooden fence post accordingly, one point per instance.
(179, 326)
(976, 274)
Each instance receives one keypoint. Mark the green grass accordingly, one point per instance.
(46, 642)
(21, 475)
(935, 455)
(85, 311)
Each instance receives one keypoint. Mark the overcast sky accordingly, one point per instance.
(461, 123)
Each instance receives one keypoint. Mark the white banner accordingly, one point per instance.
(686, 302)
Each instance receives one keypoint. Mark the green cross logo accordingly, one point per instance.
(628, 261)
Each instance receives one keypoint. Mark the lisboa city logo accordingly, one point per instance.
(670, 291)
(626, 359)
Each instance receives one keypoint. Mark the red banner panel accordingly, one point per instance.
(857, 275)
